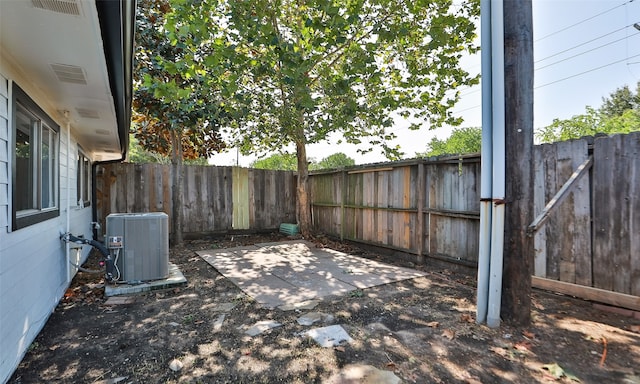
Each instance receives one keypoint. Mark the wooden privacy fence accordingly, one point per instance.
(430, 208)
(216, 199)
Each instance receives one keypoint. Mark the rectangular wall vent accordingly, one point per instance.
(67, 7)
(69, 73)
(87, 113)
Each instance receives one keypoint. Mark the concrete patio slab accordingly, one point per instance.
(285, 273)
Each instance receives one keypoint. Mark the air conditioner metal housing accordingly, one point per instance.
(144, 252)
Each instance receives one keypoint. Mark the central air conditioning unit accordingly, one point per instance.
(139, 243)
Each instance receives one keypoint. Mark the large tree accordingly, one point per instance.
(139, 155)
(461, 141)
(619, 113)
(307, 68)
(176, 95)
(337, 160)
(620, 100)
(277, 161)
(289, 162)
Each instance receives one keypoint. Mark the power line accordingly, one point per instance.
(570, 49)
(583, 21)
(582, 53)
(559, 80)
(466, 109)
(585, 72)
(585, 43)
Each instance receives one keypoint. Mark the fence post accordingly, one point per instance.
(420, 218)
(342, 200)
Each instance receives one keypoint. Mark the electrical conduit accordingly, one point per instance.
(484, 255)
(68, 205)
(498, 164)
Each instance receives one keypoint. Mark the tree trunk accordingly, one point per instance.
(303, 206)
(177, 196)
(518, 247)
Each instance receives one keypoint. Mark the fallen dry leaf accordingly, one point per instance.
(449, 334)
(433, 324)
(340, 349)
(554, 369)
(528, 335)
(523, 346)
(499, 351)
(466, 318)
(558, 372)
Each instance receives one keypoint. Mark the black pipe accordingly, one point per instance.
(110, 270)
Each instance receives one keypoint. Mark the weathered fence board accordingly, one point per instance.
(563, 244)
(272, 198)
(453, 189)
(328, 195)
(401, 206)
(616, 213)
(216, 199)
(633, 178)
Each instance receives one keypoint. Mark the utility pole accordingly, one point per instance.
(518, 246)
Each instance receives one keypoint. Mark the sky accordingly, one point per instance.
(583, 51)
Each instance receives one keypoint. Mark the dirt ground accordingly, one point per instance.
(422, 330)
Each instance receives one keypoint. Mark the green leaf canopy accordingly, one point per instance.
(305, 69)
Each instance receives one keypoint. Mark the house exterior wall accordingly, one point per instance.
(34, 270)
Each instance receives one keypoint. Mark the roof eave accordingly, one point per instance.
(118, 42)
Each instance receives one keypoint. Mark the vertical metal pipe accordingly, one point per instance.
(495, 274)
(484, 255)
(498, 164)
(68, 205)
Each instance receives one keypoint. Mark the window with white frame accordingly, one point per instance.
(83, 180)
(35, 162)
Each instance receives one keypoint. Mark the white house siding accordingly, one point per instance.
(33, 260)
(4, 151)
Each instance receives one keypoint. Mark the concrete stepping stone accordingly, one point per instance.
(361, 374)
(261, 326)
(217, 325)
(315, 317)
(330, 336)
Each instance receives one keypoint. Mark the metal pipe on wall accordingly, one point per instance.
(68, 205)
